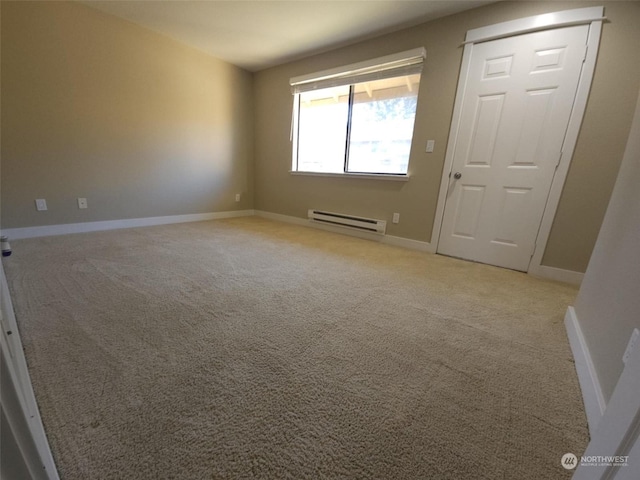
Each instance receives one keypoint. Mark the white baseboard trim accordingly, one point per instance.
(304, 222)
(409, 243)
(551, 273)
(283, 218)
(385, 239)
(594, 403)
(64, 229)
(558, 274)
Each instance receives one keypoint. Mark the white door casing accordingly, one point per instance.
(510, 164)
(617, 431)
(22, 412)
(515, 113)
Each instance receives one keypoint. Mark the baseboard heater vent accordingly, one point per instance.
(349, 221)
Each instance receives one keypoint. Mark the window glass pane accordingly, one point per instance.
(322, 130)
(382, 125)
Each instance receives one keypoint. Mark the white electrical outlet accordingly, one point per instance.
(431, 144)
(237, 197)
(631, 345)
(82, 203)
(396, 218)
(41, 204)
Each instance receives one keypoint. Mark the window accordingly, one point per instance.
(357, 119)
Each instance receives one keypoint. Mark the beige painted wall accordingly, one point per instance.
(97, 107)
(594, 167)
(608, 304)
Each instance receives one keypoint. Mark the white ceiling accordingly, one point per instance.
(256, 34)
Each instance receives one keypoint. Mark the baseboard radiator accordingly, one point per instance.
(349, 221)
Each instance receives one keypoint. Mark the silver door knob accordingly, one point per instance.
(457, 175)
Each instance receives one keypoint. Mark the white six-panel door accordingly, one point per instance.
(517, 102)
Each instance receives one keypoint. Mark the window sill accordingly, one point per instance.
(366, 176)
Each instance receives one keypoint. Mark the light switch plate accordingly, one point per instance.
(41, 204)
(431, 144)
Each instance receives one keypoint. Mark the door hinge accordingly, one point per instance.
(533, 250)
(584, 55)
(559, 159)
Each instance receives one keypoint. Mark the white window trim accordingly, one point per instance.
(399, 177)
(350, 73)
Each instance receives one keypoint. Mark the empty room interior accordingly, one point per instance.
(320, 240)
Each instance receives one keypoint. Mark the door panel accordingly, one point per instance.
(537, 103)
(515, 203)
(467, 211)
(485, 129)
(517, 102)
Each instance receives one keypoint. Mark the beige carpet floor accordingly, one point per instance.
(251, 349)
